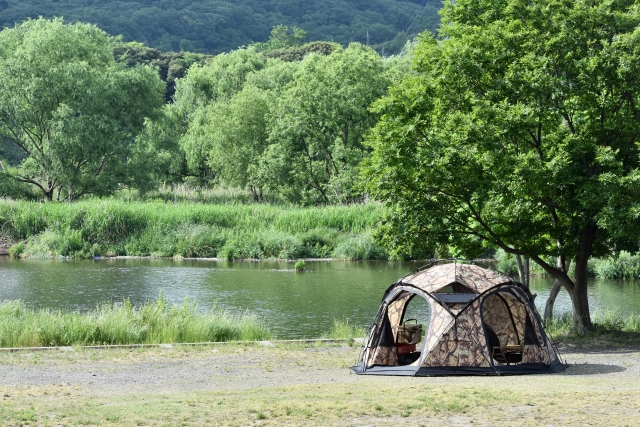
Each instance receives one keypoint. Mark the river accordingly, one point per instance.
(293, 305)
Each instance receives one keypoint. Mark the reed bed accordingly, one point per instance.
(154, 228)
(156, 322)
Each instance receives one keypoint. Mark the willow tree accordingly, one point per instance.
(318, 123)
(72, 109)
(520, 131)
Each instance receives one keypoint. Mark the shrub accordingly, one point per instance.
(300, 265)
(625, 266)
(506, 263)
(17, 249)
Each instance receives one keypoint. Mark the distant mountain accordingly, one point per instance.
(214, 26)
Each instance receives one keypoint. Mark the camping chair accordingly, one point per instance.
(503, 354)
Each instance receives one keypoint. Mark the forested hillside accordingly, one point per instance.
(214, 26)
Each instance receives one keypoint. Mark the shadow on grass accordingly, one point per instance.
(592, 369)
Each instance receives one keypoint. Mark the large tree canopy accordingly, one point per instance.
(292, 129)
(520, 131)
(72, 109)
(318, 123)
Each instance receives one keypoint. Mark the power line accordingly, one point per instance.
(399, 44)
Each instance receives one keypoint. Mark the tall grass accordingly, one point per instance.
(116, 227)
(155, 322)
(343, 329)
(604, 321)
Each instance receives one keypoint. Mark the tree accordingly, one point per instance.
(519, 132)
(237, 129)
(205, 87)
(73, 111)
(318, 123)
(171, 65)
(281, 38)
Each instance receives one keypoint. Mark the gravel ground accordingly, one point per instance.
(244, 385)
(168, 370)
(109, 372)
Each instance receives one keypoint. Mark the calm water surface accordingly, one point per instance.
(293, 304)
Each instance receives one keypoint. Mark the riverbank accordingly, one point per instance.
(111, 227)
(311, 385)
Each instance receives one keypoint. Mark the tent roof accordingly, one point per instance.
(474, 277)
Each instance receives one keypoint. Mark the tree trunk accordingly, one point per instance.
(548, 307)
(579, 297)
(577, 288)
(555, 289)
(521, 272)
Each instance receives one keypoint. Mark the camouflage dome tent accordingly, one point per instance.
(480, 322)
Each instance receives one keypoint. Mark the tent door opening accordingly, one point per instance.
(503, 320)
(410, 333)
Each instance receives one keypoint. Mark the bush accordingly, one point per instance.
(300, 265)
(16, 250)
(604, 322)
(506, 263)
(625, 266)
(281, 245)
(319, 242)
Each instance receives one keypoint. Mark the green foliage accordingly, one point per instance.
(214, 26)
(506, 263)
(343, 329)
(16, 250)
(519, 130)
(606, 323)
(300, 265)
(360, 248)
(282, 38)
(72, 109)
(112, 227)
(317, 126)
(10, 154)
(298, 53)
(198, 98)
(625, 266)
(155, 322)
(283, 130)
(474, 148)
(11, 188)
(171, 65)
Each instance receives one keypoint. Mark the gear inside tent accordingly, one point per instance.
(457, 318)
